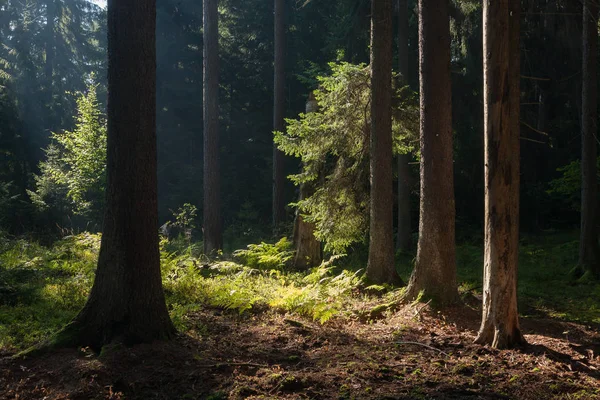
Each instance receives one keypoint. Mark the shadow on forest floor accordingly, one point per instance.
(413, 353)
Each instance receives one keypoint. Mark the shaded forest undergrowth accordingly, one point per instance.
(256, 330)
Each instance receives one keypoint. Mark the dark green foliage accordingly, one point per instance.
(545, 286)
(567, 187)
(48, 52)
(14, 208)
(333, 144)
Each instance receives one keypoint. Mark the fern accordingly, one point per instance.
(265, 256)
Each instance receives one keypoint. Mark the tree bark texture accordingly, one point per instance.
(278, 114)
(127, 303)
(588, 242)
(380, 267)
(404, 237)
(500, 321)
(308, 248)
(435, 267)
(212, 226)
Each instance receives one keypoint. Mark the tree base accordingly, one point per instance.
(438, 300)
(440, 294)
(79, 334)
(392, 279)
(576, 272)
(499, 338)
(583, 274)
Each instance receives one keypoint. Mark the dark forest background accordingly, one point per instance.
(52, 49)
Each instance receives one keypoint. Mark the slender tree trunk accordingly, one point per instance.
(213, 234)
(127, 303)
(500, 321)
(50, 43)
(435, 267)
(308, 248)
(380, 268)
(588, 242)
(278, 114)
(539, 150)
(404, 239)
(50, 50)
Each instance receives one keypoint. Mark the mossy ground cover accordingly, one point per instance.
(251, 328)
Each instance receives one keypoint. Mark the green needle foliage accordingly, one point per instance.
(567, 187)
(75, 165)
(333, 144)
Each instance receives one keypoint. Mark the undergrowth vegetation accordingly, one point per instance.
(42, 288)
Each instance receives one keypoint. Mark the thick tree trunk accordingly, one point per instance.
(588, 242)
(127, 303)
(380, 268)
(213, 234)
(308, 248)
(500, 321)
(278, 114)
(404, 239)
(435, 267)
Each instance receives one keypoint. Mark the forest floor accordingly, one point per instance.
(413, 353)
(251, 329)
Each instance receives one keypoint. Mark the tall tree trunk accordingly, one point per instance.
(50, 45)
(380, 268)
(500, 320)
(213, 234)
(278, 114)
(308, 248)
(48, 94)
(588, 242)
(404, 240)
(127, 303)
(435, 267)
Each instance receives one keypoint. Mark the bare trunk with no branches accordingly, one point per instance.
(278, 114)
(404, 239)
(589, 260)
(212, 226)
(500, 319)
(127, 302)
(435, 267)
(380, 267)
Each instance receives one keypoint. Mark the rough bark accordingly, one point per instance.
(278, 114)
(404, 237)
(435, 267)
(380, 267)
(500, 321)
(588, 242)
(126, 303)
(213, 233)
(308, 248)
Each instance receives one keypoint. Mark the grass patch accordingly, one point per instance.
(42, 288)
(545, 287)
